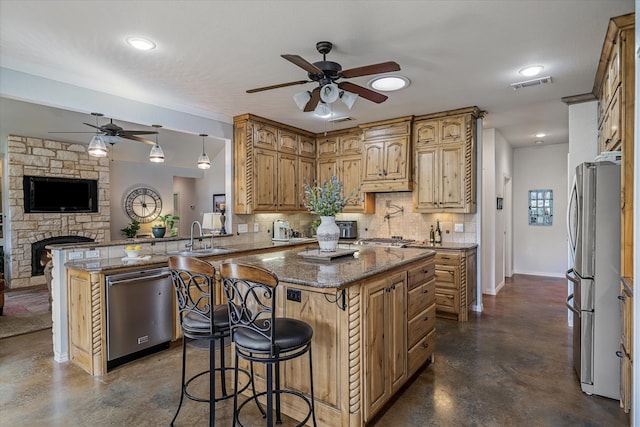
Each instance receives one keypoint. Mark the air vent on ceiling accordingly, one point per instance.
(340, 119)
(534, 82)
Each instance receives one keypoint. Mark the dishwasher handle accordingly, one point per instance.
(137, 278)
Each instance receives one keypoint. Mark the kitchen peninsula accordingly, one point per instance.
(373, 315)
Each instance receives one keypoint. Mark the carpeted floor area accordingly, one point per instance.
(25, 311)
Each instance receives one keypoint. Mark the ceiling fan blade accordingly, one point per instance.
(313, 102)
(135, 138)
(73, 132)
(93, 126)
(302, 63)
(363, 92)
(136, 132)
(260, 89)
(383, 67)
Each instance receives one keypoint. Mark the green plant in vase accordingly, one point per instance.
(165, 223)
(132, 229)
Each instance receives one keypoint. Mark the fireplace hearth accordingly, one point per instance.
(40, 255)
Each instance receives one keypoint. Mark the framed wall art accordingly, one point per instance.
(219, 202)
(541, 207)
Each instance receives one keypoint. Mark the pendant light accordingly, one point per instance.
(156, 155)
(203, 160)
(97, 147)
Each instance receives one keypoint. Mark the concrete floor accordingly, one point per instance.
(511, 366)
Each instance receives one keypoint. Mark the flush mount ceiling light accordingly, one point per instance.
(531, 70)
(203, 160)
(141, 43)
(156, 155)
(540, 135)
(389, 83)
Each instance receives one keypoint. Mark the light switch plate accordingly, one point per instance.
(75, 255)
(243, 228)
(256, 227)
(458, 228)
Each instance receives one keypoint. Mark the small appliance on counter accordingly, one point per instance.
(348, 229)
(281, 231)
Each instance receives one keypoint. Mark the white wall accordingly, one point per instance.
(583, 134)
(540, 250)
(497, 163)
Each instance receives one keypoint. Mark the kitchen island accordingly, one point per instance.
(373, 316)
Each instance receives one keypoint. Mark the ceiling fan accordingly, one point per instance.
(113, 130)
(327, 73)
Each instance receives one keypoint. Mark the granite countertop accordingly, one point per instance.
(449, 245)
(288, 264)
(158, 259)
(290, 267)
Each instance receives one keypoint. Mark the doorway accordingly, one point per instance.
(507, 243)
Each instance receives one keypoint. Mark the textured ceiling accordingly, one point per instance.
(456, 54)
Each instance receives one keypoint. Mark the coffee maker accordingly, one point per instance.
(281, 231)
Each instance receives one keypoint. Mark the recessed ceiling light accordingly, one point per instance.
(389, 83)
(531, 70)
(540, 135)
(140, 43)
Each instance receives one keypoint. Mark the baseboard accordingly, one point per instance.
(476, 308)
(539, 273)
(61, 357)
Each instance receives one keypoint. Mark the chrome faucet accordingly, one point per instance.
(190, 244)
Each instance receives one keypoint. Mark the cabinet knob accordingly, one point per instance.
(425, 345)
(426, 319)
(425, 291)
(619, 354)
(621, 297)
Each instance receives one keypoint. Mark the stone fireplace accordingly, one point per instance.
(43, 157)
(40, 255)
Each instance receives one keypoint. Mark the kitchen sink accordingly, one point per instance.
(196, 252)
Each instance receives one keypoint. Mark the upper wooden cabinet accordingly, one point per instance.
(444, 173)
(614, 87)
(387, 156)
(271, 163)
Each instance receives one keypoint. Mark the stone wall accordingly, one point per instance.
(43, 157)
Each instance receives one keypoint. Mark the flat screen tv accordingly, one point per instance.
(48, 194)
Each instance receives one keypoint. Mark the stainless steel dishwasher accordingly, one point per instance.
(139, 314)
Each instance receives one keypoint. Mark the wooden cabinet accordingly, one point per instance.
(626, 344)
(385, 331)
(421, 316)
(387, 156)
(455, 282)
(340, 154)
(444, 173)
(307, 175)
(271, 162)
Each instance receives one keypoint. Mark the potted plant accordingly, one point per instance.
(327, 200)
(165, 222)
(132, 229)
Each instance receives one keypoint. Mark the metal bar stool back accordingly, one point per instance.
(200, 319)
(262, 337)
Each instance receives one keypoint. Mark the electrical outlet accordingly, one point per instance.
(458, 228)
(294, 295)
(256, 227)
(92, 254)
(75, 255)
(243, 228)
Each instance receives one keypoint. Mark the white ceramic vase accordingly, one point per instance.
(328, 234)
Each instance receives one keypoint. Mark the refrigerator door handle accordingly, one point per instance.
(570, 305)
(574, 192)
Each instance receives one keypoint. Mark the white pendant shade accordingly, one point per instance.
(203, 161)
(156, 155)
(348, 98)
(301, 99)
(322, 110)
(329, 93)
(97, 147)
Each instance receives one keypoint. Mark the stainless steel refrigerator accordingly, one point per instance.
(594, 236)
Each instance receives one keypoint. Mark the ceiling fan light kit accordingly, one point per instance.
(97, 147)
(203, 160)
(156, 155)
(329, 89)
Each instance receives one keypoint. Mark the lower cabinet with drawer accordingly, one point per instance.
(421, 316)
(455, 282)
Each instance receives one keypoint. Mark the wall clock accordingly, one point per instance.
(143, 204)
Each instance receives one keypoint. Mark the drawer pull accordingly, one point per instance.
(426, 319)
(425, 291)
(425, 345)
(621, 297)
(425, 271)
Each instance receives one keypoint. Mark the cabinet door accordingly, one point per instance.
(265, 136)
(307, 146)
(452, 129)
(426, 172)
(397, 303)
(307, 175)
(287, 182)
(472, 266)
(395, 158)
(613, 123)
(373, 161)
(376, 373)
(326, 168)
(327, 147)
(288, 142)
(350, 174)
(426, 132)
(350, 144)
(265, 179)
(451, 193)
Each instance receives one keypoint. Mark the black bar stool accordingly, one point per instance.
(259, 336)
(200, 319)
